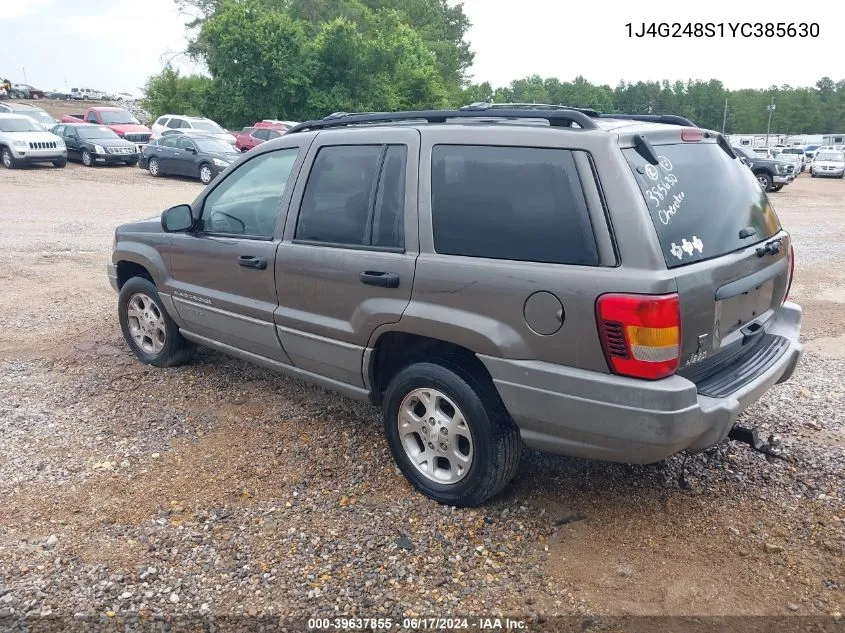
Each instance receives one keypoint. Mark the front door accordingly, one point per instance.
(185, 162)
(71, 138)
(346, 264)
(224, 286)
(165, 151)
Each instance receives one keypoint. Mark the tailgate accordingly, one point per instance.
(720, 237)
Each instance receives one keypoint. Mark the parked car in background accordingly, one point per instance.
(771, 174)
(794, 160)
(195, 123)
(4, 94)
(799, 151)
(96, 144)
(121, 121)
(200, 157)
(246, 140)
(85, 93)
(23, 142)
(828, 163)
(810, 151)
(40, 116)
(763, 152)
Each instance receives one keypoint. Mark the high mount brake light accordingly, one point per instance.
(691, 135)
(640, 334)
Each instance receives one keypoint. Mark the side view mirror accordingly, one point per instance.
(192, 150)
(177, 219)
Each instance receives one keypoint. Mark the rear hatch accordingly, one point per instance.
(721, 238)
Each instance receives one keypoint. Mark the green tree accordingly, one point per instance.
(170, 92)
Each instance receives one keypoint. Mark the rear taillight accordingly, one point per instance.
(640, 334)
(791, 271)
(691, 135)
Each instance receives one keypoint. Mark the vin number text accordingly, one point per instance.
(723, 29)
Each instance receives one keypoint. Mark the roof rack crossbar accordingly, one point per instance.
(668, 119)
(556, 118)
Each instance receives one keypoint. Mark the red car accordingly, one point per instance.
(262, 131)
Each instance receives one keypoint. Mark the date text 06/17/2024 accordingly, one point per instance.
(723, 29)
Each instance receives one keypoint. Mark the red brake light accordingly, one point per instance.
(640, 334)
(691, 134)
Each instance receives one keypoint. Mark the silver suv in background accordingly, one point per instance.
(606, 286)
(24, 142)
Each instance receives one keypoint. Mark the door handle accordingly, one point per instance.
(380, 279)
(248, 261)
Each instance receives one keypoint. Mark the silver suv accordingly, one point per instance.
(606, 286)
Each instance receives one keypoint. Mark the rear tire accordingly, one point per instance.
(7, 158)
(489, 438)
(147, 327)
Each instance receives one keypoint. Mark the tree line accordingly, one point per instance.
(302, 59)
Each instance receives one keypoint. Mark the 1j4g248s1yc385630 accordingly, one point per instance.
(723, 29)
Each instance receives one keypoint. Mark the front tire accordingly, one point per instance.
(154, 167)
(206, 173)
(87, 159)
(147, 327)
(449, 432)
(765, 181)
(777, 188)
(60, 163)
(132, 163)
(8, 158)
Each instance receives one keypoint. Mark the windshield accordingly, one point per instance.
(112, 117)
(95, 132)
(38, 115)
(788, 158)
(836, 157)
(700, 199)
(207, 126)
(213, 146)
(792, 150)
(23, 124)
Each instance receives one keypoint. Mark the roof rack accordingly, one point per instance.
(528, 106)
(564, 117)
(668, 119)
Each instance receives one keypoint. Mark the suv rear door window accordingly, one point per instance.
(355, 196)
(514, 203)
(700, 199)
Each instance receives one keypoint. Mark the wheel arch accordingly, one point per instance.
(135, 259)
(394, 350)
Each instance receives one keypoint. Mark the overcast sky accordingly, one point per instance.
(116, 44)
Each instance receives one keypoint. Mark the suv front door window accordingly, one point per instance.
(224, 280)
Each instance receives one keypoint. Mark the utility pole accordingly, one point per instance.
(24, 75)
(725, 117)
(771, 109)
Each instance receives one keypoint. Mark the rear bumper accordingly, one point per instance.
(602, 416)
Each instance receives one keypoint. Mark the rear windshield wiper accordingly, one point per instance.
(646, 149)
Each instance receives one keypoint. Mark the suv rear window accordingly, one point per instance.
(700, 199)
(514, 203)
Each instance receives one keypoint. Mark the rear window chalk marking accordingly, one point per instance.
(652, 172)
(677, 251)
(666, 214)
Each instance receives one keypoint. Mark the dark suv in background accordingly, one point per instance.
(606, 286)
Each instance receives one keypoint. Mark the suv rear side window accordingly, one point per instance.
(355, 196)
(700, 199)
(515, 203)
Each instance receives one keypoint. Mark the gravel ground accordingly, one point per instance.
(221, 488)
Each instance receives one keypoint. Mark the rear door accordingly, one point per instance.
(721, 238)
(346, 265)
(224, 278)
